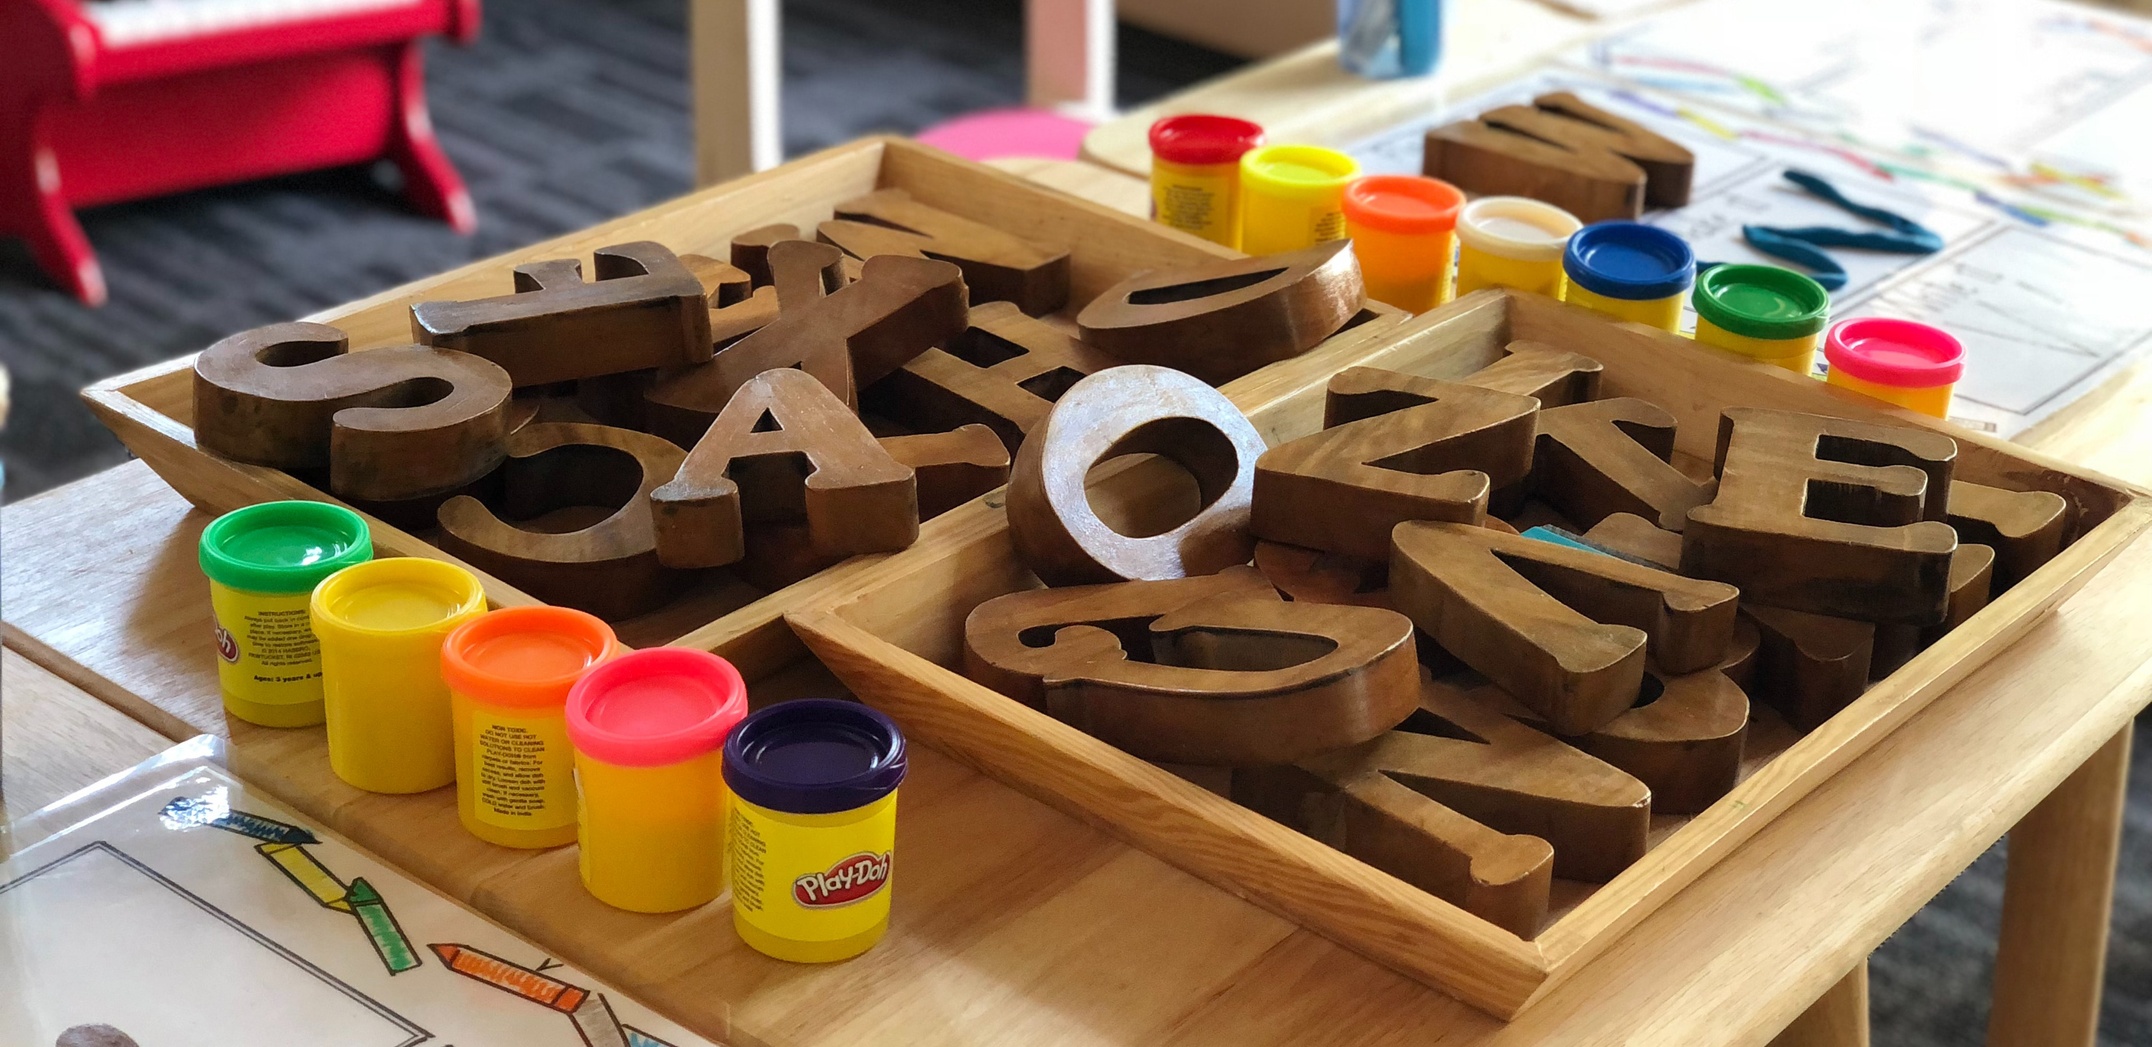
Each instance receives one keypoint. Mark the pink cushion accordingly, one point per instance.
(1015, 131)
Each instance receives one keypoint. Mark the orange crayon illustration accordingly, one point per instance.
(510, 978)
(591, 1012)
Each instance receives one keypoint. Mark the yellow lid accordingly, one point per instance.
(398, 596)
(1306, 171)
(1516, 227)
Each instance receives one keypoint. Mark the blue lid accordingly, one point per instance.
(814, 756)
(1630, 261)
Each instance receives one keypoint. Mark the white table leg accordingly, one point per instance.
(737, 67)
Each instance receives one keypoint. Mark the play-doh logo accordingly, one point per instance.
(850, 880)
(227, 648)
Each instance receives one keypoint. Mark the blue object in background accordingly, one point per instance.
(1386, 39)
(1558, 536)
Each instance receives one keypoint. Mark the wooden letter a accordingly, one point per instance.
(785, 448)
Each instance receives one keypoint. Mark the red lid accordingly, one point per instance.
(655, 707)
(1201, 138)
(1895, 352)
(1411, 204)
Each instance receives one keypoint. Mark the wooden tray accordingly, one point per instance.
(893, 643)
(152, 409)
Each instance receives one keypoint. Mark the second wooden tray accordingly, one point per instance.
(895, 641)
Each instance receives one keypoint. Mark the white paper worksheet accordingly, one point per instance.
(177, 908)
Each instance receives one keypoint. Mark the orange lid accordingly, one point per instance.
(1409, 204)
(527, 656)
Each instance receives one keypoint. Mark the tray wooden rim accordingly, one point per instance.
(1422, 936)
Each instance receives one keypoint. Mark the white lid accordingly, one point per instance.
(1516, 227)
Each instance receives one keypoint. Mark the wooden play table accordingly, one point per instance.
(1020, 924)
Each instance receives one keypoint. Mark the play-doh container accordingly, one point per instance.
(1404, 232)
(649, 733)
(1763, 312)
(1512, 241)
(508, 674)
(814, 827)
(1195, 173)
(1629, 271)
(263, 563)
(1292, 196)
(381, 625)
(1909, 364)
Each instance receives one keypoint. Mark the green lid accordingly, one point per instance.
(1761, 301)
(283, 547)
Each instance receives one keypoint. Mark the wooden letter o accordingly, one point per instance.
(1138, 409)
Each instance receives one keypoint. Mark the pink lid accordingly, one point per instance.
(1898, 353)
(655, 707)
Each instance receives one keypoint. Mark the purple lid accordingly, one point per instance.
(814, 756)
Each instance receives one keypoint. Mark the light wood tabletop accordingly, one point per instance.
(55, 738)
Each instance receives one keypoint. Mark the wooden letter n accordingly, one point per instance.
(1564, 631)
(1394, 448)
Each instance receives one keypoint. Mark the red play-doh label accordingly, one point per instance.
(852, 879)
(227, 648)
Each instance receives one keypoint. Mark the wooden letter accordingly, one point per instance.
(1136, 409)
(1634, 538)
(785, 448)
(899, 308)
(1004, 371)
(1612, 456)
(722, 282)
(1828, 516)
(1580, 158)
(750, 252)
(1214, 670)
(644, 310)
(1972, 579)
(569, 473)
(2026, 528)
(1221, 320)
(390, 424)
(1562, 630)
(1394, 447)
(1685, 736)
(1429, 803)
(953, 467)
(1809, 666)
(1314, 576)
(997, 267)
(1554, 377)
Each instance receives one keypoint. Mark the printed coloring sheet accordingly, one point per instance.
(182, 909)
(2040, 295)
(2027, 92)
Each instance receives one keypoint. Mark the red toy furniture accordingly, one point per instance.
(109, 100)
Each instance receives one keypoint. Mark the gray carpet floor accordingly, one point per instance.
(568, 112)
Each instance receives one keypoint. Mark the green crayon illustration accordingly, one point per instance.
(381, 928)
